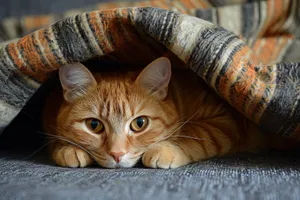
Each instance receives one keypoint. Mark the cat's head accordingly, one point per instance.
(117, 117)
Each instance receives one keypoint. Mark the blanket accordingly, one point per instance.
(248, 53)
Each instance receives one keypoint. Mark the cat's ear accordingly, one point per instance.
(155, 77)
(75, 79)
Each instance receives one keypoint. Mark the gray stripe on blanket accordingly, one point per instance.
(286, 96)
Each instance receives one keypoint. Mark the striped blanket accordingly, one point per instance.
(249, 53)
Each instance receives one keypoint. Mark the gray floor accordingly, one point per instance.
(275, 176)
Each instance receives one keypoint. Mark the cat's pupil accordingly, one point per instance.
(94, 124)
(140, 122)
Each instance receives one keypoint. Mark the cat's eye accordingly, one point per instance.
(94, 125)
(139, 124)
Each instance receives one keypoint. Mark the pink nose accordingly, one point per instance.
(117, 156)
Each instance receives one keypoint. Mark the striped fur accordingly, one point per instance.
(255, 68)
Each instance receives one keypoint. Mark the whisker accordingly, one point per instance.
(28, 115)
(68, 141)
(189, 137)
(36, 151)
(184, 122)
(93, 155)
(171, 134)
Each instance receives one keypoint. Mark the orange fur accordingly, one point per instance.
(190, 124)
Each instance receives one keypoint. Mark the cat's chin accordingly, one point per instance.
(115, 165)
(112, 164)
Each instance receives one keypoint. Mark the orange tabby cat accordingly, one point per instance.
(116, 119)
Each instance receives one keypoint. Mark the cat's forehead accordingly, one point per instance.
(115, 84)
(118, 98)
(116, 77)
(116, 94)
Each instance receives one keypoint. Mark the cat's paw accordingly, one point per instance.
(70, 156)
(165, 155)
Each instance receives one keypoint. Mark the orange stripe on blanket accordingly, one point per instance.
(16, 59)
(45, 48)
(279, 17)
(237, 91)
(256, 45)
(132, 43)
(110, 27)
(190, 5)
(278, 5)
(232, 72)
(242, 86)
(24, 54)
(277, 12)
(268, 50)
(30, 55)
(13, 51)
(187, 4)
(100, 28)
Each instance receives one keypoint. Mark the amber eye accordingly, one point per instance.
(94, 125)
(139, 124)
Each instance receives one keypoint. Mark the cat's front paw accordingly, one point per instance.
(165, 155)
(70, 156)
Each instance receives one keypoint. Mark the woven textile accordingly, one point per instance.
(248, 53)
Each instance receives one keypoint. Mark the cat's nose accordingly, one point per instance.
(117, 156)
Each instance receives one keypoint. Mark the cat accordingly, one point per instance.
(166, 119)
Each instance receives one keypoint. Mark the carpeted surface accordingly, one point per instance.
(275, 176)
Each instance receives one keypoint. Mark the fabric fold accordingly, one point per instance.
(265, 91)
